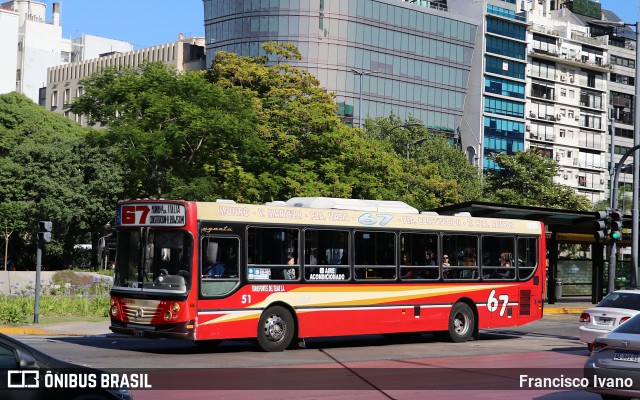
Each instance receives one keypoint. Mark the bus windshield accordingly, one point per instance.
(158, 260)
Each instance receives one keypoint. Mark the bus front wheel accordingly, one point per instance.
(275, 329)
(461, 323)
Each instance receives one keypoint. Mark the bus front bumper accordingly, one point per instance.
(181, 330)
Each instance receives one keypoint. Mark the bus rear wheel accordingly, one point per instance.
(461, 323)
(275, 329)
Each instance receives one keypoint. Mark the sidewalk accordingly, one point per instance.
(570, 305)
(75, 328)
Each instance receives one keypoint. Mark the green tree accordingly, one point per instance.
(526, 179)
(49, 171)
(452, 179)
(249, 129)
(178, 135)
(309, 151)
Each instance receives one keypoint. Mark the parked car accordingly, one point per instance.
(23, 368)
(613, 368)
(613, 310)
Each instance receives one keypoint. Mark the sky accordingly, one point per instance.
(627, 10)
(148, 23)
(144, 23)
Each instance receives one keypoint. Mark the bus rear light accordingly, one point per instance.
(584, 317)
(623, 319)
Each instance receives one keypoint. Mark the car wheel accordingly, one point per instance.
(461, 323)
(275, 329)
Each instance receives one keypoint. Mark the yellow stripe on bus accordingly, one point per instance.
(325, 297)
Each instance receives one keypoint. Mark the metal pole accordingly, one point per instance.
(612, 203)
(636, 172)
(36, 308)
(360, 103)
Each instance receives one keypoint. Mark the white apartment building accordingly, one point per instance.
(64, 82)
(31, 44)
(568, 73)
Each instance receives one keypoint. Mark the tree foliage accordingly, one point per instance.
(451, 178)
(526, 179)
(48, 171)
(176, 133)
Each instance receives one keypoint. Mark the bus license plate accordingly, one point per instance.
(625, 356)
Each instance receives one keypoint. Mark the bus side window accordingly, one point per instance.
(273, 253)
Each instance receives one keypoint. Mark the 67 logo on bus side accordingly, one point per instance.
(494, 303)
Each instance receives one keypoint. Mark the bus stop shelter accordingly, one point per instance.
(561, 226)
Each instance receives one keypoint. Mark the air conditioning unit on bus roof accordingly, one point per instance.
(351, 204)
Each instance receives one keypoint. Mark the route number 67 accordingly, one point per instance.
(493, 303)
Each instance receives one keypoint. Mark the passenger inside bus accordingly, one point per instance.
(469, 256)
(407, 273)
(215, 270)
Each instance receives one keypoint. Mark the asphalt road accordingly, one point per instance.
(363, 367)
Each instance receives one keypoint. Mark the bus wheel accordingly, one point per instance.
(275, 329)
(461, 323)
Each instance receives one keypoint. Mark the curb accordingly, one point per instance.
(23, 330)
(563, 310)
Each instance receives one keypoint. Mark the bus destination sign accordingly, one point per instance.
(151, 214)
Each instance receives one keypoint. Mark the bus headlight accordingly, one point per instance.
(112, 301)
(175, 307)
(167, 316)
(114, 311)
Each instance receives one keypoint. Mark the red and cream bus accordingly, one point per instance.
(313, 267)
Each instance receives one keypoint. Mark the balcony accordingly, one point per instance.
(590, 144)
(545, 95)
(543, 137)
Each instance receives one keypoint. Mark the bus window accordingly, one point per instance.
(463, 261)
(419, 253)
(324, 253)
(527, 257)
(219, 264)
(375, 254)
(497, 257)
(273, 254)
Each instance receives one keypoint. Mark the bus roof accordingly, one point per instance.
(324, 211)
(351, 204)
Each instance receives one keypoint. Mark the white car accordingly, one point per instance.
(613, 310)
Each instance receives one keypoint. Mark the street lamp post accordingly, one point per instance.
(415, 142)
(360, 74)
(635, 234)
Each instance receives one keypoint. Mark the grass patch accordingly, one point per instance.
(70, 296)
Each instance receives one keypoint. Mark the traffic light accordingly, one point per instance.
(616, 225)
(44, 231)
(602, 224)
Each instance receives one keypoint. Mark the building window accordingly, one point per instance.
(54, 99)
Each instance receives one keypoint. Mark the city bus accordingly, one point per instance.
(311, 267)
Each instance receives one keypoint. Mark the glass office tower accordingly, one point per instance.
(410, 58)
(497, 118)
